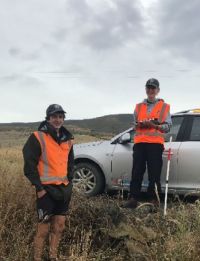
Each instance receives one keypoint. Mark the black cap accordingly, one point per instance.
(152, 83)
(54, 108)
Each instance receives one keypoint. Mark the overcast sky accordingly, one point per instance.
(94, 56)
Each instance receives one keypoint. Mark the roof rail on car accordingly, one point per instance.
(197, 110)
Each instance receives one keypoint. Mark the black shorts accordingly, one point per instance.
(48, 207)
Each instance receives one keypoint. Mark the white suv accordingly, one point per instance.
(107, 165)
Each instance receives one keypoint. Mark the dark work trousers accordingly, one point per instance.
(150, 155)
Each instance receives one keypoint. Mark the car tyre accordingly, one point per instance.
(88, 179)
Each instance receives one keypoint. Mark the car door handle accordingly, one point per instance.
(165, 153)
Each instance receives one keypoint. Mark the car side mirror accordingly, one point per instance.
(125, 138)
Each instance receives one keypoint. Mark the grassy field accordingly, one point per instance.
(96, 228)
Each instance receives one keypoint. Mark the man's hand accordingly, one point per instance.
(147, 125)
(41, 193)
(150, 125)
(140, 125)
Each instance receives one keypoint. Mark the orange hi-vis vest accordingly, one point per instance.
(53, 162)
(159, 112)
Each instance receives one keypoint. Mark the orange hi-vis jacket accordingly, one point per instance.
(53, 162)
(152, 135)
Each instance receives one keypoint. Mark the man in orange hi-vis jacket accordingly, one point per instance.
(151, 121)
(48, 164)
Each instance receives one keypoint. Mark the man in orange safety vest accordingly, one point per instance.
(151, 121)
(48, 164)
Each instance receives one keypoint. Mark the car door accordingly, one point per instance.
(123, 157)
(122, 160)
(176, 132)
(189, 157)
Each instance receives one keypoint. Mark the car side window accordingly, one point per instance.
(176, 124)
(195, 132)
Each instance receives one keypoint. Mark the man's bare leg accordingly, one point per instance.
(41, 234)
(56, 229)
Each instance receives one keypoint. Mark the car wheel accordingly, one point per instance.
(88, 179)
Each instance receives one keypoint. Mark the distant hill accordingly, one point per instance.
(105, 124)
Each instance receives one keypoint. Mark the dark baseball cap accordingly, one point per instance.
(152, 83)
(54, 108)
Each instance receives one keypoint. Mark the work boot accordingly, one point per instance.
(131, 203)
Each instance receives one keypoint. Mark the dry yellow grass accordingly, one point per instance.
(96, 228)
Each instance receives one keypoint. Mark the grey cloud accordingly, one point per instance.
(79, 11)
(24, 80)
(80, 8)
(10, 77)
(114, 26)
(28, 55)
(32, 55)
(30, 81)
(179, 27)
(60, 34)
(13, 51)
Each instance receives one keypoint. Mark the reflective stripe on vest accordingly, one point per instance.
(159, 112)
(44, 154)
(162, 116)
(53, 163)
(53, 178)
(138, 108)
(153, 134)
